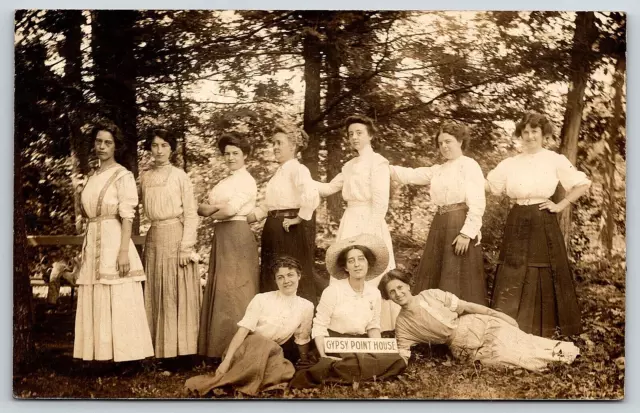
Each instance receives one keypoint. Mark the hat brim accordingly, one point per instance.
(371, 242)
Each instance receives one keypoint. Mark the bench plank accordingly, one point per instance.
(61, 240)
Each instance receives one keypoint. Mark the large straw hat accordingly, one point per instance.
(372, 242)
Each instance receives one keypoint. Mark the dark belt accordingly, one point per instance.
(283, 213)
(451, 207)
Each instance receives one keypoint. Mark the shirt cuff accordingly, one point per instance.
(305, 213)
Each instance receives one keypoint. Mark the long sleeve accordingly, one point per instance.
(497, 178)
(377, 310)
(309, 197)
(127, 195)
(303, 333)
(474, 198)
(242, 194)
(330, 188)
(190, 215)
(411, 176)
(568, 175)
(380, 182)
(326, 306)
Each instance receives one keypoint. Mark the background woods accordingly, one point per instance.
(200, 73)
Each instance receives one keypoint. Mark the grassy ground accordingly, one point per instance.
(597, 374)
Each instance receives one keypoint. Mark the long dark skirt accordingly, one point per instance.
(462, 275)
(276, 241)
(231, 284)
(352, 367)
(533, 281)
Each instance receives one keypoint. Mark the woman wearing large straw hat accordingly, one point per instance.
(350, 307)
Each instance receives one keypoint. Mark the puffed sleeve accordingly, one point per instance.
(411, 176)
(330, 188)
(404, 341)
(380, 182)
(324, 311)
(309, 197)
(377, 309)
(303, 333)
(244, 190)
(127, 195)
(474, 198)
(189, 214)
(252, 314)
(568, 175)
(497, 178)
(449, 300)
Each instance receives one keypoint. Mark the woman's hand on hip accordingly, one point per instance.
(553, 207)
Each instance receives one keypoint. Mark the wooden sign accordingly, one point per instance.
(360, 345)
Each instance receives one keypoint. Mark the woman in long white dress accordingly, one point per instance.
(173, 294)
(111, 323)
(364, 182)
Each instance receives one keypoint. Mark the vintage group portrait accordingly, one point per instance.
(319, 204)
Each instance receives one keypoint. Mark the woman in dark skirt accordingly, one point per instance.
(273, 335)
(533, 283)
(452, 258)
(290, 200)
(233, 267)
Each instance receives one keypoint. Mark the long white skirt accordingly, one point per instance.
(357, 220)
(111, 323)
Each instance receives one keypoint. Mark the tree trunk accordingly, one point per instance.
(580, 67)
(23, 343)
(611, 152)
(334, 138)
(112, 45)
(312, 109)
(71, 51)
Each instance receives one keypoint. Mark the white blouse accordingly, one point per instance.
(533, 178)
(364, 178)
(167, 193)
(278, 317)
(345, 311)
(238, 190)
(291, 187)
(455, 181)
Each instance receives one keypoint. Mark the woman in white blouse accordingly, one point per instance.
(291, 198)
(111, 323)
(273, 335)
(533, 282)
(233, 266)
(350, 307)
(452, 257)
(172, 293)
(364, 182)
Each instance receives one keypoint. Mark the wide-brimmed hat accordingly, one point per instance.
(372, 242)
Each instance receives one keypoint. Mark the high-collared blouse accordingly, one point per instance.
(278, 317)
(455, 181)
(533, 178)
(364, 178)
(431, 318)
(346, 311)
(238, 190)
(291, 187)
(167, 193)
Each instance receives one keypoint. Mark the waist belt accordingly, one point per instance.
(451, 207)
(530, 201)
(234, 218)
(283, 213)
(161, 222)
(103, 218)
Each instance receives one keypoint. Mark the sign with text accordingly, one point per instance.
(360, 345)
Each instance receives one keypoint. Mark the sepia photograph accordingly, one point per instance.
(319, 204)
